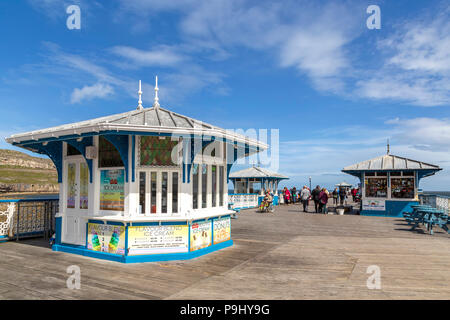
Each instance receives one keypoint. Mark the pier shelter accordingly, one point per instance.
(389, 184)
(144, 185)
(251, 184)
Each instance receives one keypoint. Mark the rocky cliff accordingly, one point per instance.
(20, 172)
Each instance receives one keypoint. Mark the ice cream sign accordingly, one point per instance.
(106, 238)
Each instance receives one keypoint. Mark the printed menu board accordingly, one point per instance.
(112, 190)
(158, 239)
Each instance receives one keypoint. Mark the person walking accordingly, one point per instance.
(315, 196)
(323, 198)
(335, 196)
(354, 192)
(304, 195)
(294, 195)
(342, 195)
(287, 195)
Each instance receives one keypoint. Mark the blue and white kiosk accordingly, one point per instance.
(144, 185)
(251, 184)
(389, 184)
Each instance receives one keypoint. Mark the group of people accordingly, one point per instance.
(319, 195)
(343, 194)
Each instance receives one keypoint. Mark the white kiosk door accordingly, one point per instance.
(76, 189)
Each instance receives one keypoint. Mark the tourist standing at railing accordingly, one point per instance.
(315, 196)
(304, 195)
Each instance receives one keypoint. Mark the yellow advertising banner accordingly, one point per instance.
(201, 235)
(158, 239)
(222, 229)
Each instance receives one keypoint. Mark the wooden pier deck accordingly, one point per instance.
(286, 255)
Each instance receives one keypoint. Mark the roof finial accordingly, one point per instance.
(156, 102)
(140, 107)
(387, 146)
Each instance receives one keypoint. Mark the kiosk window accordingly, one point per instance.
(174, 192)
(402, 188)
(214, 185)
(164, 193)
(155, 151)
(108, 156)
(204, 184)
(221, 185)
(142, 179)
(195, 186)
(153, 192)
(72, 151)
(376, 188)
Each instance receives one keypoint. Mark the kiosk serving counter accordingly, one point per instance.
(389, 184)
(144, 185)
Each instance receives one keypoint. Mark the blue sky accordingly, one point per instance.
(334, 89)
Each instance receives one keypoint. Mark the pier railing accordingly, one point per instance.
(27, 218)
(243, 200)
(436, 201)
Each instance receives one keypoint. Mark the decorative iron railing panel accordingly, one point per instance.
(27, 218)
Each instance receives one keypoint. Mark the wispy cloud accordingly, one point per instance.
(160, 56)
(416, 68)
(98, 90)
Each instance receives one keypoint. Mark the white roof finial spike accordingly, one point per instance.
(140, 107)
(156, 103)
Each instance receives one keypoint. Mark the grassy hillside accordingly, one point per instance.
(19, 168)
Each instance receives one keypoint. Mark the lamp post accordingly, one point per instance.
(309, 182)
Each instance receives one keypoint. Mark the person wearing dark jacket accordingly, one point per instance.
(315, 196)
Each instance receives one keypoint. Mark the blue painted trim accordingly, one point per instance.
(120, 142)
(189, 235)
(127, 132)
(126, 241)
(29, 200)
(58, 227)
(393, 209)
(54, 150)
(141, 258)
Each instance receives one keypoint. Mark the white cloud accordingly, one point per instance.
(423, 133)
(416, 69)
(161, 56)
(98, 90)
(317, 39)
(323, 157)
